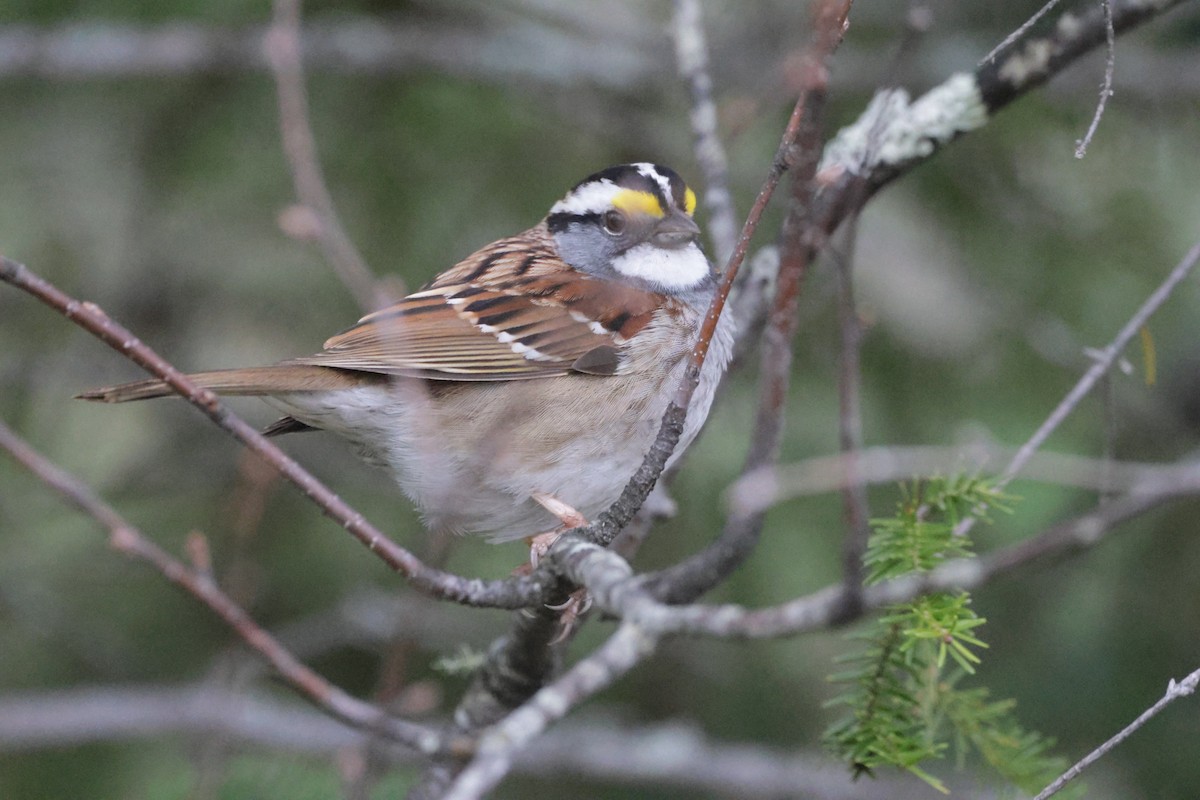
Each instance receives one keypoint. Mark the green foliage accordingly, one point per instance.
(922, 534)
(903, 700)
(988, 728)
(883, 727)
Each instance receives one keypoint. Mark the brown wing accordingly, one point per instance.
(511, 311)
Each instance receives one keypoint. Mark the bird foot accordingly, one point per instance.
(572, 611)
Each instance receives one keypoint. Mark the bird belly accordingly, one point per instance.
(471, 454)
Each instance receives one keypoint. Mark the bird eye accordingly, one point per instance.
(614, 222)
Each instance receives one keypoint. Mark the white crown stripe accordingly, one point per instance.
(591, 198)
(650, 172)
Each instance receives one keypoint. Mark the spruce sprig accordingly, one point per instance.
(902, 698)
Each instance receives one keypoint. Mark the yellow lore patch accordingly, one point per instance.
(632, 201)
(689, 201)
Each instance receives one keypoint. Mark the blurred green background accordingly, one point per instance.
(983, 276)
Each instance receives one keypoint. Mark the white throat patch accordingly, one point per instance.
(680, 269)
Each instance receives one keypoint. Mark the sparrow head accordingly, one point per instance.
(632, 223)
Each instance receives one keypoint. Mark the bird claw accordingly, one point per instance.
(572, 611)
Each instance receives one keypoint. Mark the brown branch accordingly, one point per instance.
(610, 523)
(125, 538)
(799, 147)
(281, 44)
(510, 593)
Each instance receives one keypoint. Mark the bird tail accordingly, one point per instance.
(276, 379)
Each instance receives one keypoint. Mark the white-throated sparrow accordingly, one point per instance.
(547, 360)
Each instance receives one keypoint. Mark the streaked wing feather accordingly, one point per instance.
(513, 310)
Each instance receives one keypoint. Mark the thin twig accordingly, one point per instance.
(283, 50)
(855, 509)
(770, 486)
(691, 57)
(1019, 32)
(1110, 61)
(508, 593)
(1175, 690)
(127, 539)
(1103, 362)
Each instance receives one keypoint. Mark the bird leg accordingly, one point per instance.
(541, 543)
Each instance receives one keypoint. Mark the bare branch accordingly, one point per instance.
(282, 47)
(126, 539)
(914, 131)
(510, 593)
(1175, 690)
(573, 48)
(498, 746)
(769, 486)
(672, 754)
(691, 57)
(1104, 361)
(802, 237)
(608, 578)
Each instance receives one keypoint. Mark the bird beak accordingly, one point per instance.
(675, 230)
